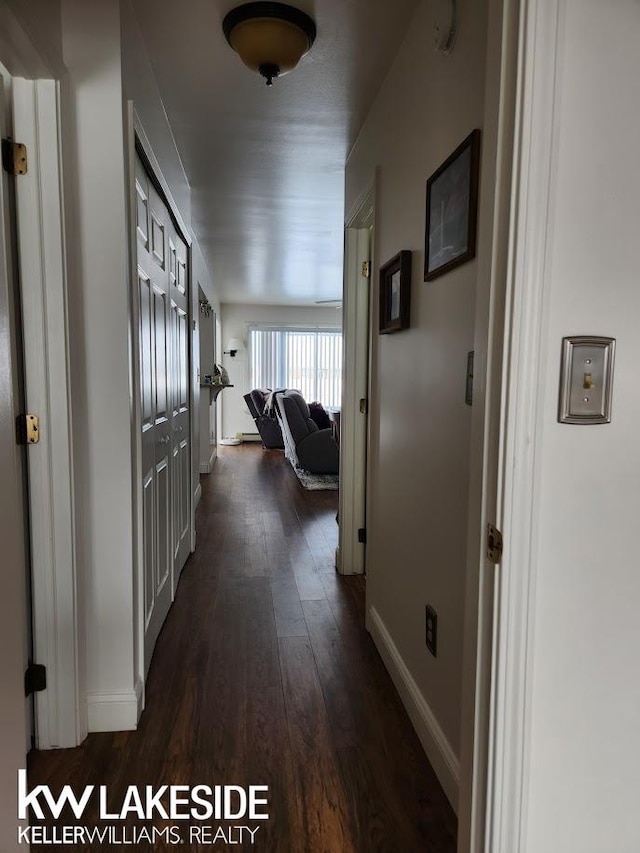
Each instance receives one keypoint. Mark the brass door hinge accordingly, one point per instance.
(494, 544)
(14, 157)
(366, 269)
(27, 429)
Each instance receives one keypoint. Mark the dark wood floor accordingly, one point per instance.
(264, 674)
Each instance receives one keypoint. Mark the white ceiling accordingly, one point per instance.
(266, 165)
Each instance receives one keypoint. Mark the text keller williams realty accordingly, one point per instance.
(165, 803)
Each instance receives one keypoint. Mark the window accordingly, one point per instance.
(309, 360)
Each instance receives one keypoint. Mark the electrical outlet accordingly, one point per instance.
(431, 630)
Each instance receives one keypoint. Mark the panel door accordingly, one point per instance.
(181, 446)
(16, 712)
(156, 410)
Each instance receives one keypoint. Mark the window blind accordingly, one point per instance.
(307, 359)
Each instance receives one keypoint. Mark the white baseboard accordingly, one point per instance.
(197, 495)
(140, 698)
(115, 712)
(207, 467)
(434, 741)
(251, 436)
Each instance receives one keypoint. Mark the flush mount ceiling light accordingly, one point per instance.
(270, 38)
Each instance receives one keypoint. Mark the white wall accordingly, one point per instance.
(584, 774)
(420, 425)
(236, 319)
(107, 63)
(40, 29)
(100, 358)
(207, 417)
(140, 87)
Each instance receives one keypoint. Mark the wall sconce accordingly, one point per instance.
(234, 345)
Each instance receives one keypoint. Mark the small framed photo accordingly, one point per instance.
(452, 210)
(395, 293)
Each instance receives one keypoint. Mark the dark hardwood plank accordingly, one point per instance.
(264, 674)
(287, 608)
(326, 818)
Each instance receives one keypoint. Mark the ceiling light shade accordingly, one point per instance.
(270, 38)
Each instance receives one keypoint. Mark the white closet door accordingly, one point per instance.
(155, 342)
(181, 442)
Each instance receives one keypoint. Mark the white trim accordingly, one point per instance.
(434, 741)
(524, 366)
(197, 496)
(60, 710)
(362, 212)
(486, 418)
(355, 371)
(135, 397)
(207, 467)
(115, 712)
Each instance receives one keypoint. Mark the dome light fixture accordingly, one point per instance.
(270, 38)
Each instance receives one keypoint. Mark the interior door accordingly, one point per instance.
(163, 307)
(181, 438)
(156, 410)
(15, 637)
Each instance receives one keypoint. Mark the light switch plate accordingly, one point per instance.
(586, 380)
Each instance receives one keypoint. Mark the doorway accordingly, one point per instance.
(354, 419)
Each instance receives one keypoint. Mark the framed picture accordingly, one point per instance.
(395, 293)
(452, 210)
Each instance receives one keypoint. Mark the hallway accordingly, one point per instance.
(264, 675)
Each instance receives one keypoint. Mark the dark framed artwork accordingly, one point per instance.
(395, 293)
(452, 210)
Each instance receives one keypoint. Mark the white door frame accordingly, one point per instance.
(357, 289)
(509, 729)
(61, 709)
(483, 661)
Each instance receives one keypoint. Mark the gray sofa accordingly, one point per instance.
(305, 446)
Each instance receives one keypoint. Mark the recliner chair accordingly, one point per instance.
(305, 446)
(267, 424)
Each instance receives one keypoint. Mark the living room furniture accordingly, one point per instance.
(305, 445)
(266, 422)
(334, 416)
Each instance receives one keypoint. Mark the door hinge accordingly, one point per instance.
(14, 157)
(35, 679)
(364, 406)
(494, 544)
(362, 535)
(27, 429)
(366, 269)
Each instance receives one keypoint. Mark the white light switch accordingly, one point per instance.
(586, 379)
